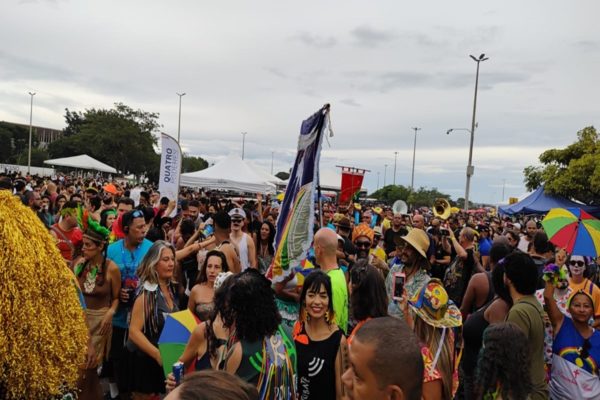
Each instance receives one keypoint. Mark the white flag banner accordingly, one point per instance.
(170, 167)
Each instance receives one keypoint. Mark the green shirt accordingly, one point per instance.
(527, 314)
(339, 291)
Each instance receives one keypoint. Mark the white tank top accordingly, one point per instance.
(243, 247)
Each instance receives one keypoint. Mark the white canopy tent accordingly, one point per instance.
(264, 174)
(231, 173)
(82, 161)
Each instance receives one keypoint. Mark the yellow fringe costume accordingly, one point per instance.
(43, 334)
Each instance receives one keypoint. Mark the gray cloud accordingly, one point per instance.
(321, 42)
(588, 45)
(350, 102)
(15, 67)
(366, 36)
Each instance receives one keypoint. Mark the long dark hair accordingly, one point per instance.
(224, 267)
(251, 308)
(221, 301)
(98, 241)
(270, 239)
(313, 283)
(369, 297)
(497, 367)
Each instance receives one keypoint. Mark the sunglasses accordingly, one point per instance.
(576, 263)
(236, 221)
(362, 244)
(137, 214)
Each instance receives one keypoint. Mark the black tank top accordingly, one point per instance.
(316, 367)
(473, 339)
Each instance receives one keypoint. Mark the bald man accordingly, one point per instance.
(325, 245)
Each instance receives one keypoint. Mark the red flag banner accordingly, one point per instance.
(352, 179)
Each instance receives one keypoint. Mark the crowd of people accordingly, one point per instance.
(388, 306)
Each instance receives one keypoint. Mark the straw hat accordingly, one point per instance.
(419, 240)
(433, 306)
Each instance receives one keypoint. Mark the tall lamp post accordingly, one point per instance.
(30, 131)
(412, 179)
(243, 143)
(179, 123)
(384, 174)
(449, 131)
(470, 168)
(395, 160)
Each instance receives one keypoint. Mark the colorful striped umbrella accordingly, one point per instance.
(574, 230)
(174, 337)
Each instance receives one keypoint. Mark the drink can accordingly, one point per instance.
(178, 372)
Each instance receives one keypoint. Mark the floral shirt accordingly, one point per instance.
(412, 286)
(431, 372)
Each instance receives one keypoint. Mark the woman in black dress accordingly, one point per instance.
(320, 344)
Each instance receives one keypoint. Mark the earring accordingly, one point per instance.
(327, 317)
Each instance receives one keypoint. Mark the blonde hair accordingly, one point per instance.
(147, 269)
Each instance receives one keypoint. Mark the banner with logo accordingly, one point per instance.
(352, 179)
(294, 233)
(170, 167)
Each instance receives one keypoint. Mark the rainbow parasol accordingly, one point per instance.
(574, 230)
(174, 337)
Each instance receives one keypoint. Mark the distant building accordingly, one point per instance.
(45, 136)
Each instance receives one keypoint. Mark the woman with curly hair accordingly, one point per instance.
(257, 348)
(155, 299)
(320, 343)
(503, 365)
(203, 345)
(368, 297)
(203, 292)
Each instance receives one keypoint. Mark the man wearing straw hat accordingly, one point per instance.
(413, 262)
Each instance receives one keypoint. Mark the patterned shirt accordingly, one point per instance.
(412, 286)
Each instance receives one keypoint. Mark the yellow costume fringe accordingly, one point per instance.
(43, 334)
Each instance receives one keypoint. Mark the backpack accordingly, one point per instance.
(453, 282)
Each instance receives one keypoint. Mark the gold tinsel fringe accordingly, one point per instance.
(43, 335)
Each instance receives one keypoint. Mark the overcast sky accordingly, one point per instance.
(263, 66)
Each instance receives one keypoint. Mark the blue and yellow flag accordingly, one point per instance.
(296, 217)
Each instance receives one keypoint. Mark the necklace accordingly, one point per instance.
(90, 280)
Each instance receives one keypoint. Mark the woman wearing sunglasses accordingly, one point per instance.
(576, 347)
(579, 282)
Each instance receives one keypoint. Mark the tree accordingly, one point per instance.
(283, 175)
(391, 193)
(14, 140)
(121, 137)
(425, 197)
(572, 172)
(191, 163)
(460, 203)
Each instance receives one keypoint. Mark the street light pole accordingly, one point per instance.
(243, 143)
(395, 160)
(179, 123)
(384, 174)
(470, 168)
(412, 179)
(30, 130)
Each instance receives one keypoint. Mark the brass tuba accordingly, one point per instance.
(442, 209)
